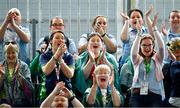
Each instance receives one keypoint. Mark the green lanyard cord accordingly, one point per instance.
(147, 66)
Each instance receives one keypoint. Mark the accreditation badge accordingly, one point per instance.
(144, 88)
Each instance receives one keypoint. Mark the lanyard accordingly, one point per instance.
(57, 68)
(147, 66)
(11, 84)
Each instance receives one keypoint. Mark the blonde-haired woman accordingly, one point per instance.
(15, 78)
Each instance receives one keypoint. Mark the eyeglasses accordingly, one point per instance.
(55, 24)
(145, 46)
(7, 43)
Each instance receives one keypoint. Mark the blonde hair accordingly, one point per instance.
(12, 47)
(174, 44)
(102, 66)
(15, 9)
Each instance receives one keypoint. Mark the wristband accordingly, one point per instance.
(72, 97)
(103, 35)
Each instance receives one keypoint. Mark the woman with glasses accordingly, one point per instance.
(147, 87)
(15, 78)
(57, 23)
(102, 92)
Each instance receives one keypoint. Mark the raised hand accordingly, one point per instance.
(125, 17)
(154, 23)
(8, 18)
(138, 27)
(99, 29)
(149, 11)
(59, 88)
(163, 29)
(91, 54)
(95, 80)
(65, 92)
(111, 80)
(104, 59)
(61, 50)
(13, 22)
(103, 56)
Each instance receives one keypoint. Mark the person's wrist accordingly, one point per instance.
(71, 97)
(154, 28)
(113, 87)
(103, 35)
(139, 33)
(126, 21)
(54, 58)
(60, 61)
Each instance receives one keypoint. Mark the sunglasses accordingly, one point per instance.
(7, 43)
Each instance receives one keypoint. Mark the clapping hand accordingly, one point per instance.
(58, 89)
(13, 22)
(125, 17)
(61, 50)
(111, 80)
(163, 29)
(154, 23)
(138, 27)
(8, 18)
(103, 56)
(94, 80)
(99, 29)
(91, 54)
(149, 11)
(105, 60)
